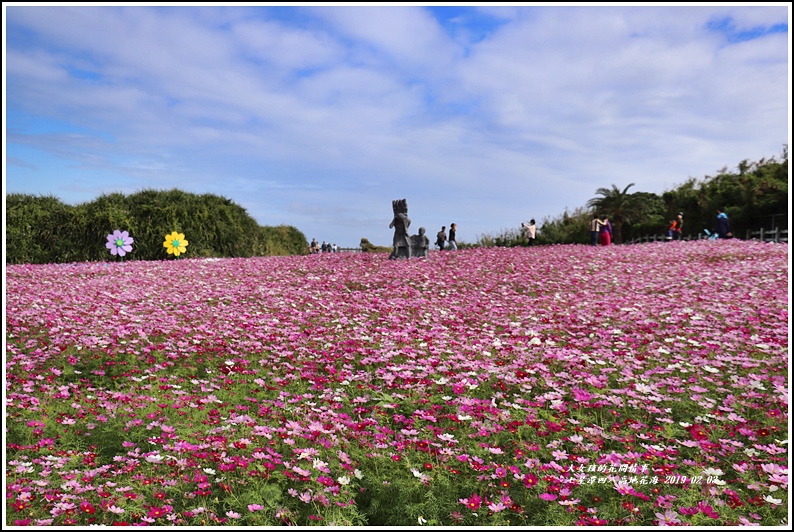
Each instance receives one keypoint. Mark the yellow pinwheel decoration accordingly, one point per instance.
(175, 243)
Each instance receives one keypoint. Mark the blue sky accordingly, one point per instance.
(318, 117)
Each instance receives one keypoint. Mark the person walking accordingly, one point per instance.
(441, 238)
(605, 232)
(453, 242)
(723, 228)
(595, 226)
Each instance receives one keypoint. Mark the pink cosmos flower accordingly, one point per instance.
(668, 518)
(559, 454)
(497, 506)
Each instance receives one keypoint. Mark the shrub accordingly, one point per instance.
(42, 229)
(34, 229)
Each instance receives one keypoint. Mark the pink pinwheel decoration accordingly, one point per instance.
(119, 243)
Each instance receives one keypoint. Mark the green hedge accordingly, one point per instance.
(42, 229)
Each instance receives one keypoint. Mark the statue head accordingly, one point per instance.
(399, 207)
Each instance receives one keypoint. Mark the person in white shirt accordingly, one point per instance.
(530, 230)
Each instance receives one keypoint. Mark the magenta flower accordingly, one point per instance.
(707, 510)
(547, 496)
(119, 243)
(472, 503)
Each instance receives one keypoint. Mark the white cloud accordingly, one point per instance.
(408, 36)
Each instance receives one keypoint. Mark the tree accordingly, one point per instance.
(619, 205)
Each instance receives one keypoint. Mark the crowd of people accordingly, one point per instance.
(326, 247)
(601, 228)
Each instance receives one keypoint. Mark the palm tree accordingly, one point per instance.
(619, 205)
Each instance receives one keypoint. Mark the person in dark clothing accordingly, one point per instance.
(453, 243)
(723, 228)
(595, 226)
(441, 238)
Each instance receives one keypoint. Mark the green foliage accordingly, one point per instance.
(573, 228)
(281, 240)
(42, 229)
(756, 196)
(34, 229)
(651, 219)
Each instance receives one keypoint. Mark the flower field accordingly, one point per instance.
(561, 385)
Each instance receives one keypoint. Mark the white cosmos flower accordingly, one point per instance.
(772, 500)
(343, 480)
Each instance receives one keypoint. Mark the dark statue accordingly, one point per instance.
(404, 246)
(420, 244)
(400, 223)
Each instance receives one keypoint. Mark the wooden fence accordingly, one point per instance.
(765, 235)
